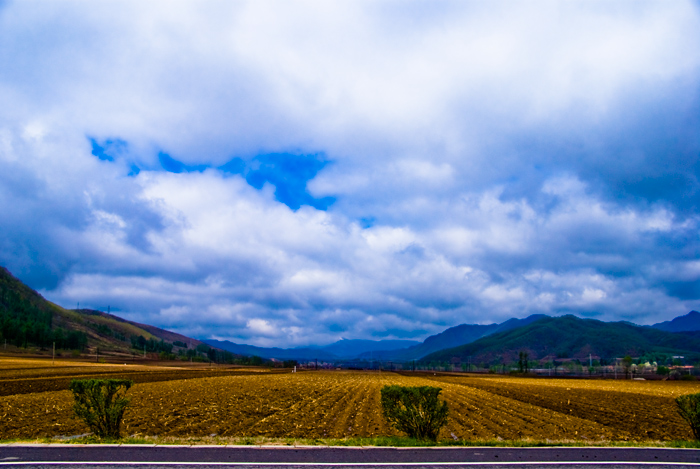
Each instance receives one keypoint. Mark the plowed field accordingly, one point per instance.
(628, 409)
(335, 404)
(32, 376)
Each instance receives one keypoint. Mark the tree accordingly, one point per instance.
(414, 410)
(523, 364)
(626, 365)
(689, 408)
(101, 404)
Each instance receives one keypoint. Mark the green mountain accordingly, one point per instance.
(570, 337)
(452, 337)
(29, 320)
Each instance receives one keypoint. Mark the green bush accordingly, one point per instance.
(689, 408)
(101, 404)
(414, 410)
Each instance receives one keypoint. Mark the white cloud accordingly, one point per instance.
(261, 327)
(465, 143)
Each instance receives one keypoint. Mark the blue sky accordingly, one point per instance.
(290, 173)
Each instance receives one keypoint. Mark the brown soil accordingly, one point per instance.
(335, 404)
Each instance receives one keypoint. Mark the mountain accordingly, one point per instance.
(272, 352)
(347, 348)
(452, 337)
(569, 336)
(342, 349)
(29, 320)
(689, 322)
(132, 329)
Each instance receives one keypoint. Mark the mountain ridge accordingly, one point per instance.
(27, 318)
(453, 337)
(687, 323)
(570, 337)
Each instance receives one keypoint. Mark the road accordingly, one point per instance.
(250, 457)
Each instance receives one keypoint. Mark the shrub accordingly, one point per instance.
(414, 410)
(689, 408)
(101, 404)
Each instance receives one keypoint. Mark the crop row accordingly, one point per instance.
(669, 388)
(627, 415)
(342, 404)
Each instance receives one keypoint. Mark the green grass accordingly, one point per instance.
(380, 441)
(684, 444)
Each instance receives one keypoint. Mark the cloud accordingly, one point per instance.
(291, 173)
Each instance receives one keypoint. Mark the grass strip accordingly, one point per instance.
(380, 441)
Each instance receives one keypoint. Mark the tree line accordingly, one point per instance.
(24, 323)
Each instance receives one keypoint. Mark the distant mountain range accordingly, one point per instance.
(346, 348)
(452, 337)
(540, 335)
(342, 349)
(571, 337)
(27, 318)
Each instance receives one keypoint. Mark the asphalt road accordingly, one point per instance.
(108, 456)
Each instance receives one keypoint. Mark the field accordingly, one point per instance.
(203, 402)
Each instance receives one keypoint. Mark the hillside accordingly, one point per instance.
(687, 323)
(26, 318)
(29, 320)
(569, 336)
(135, 328)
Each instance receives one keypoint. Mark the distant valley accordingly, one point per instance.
(539, 335)
(28, 319)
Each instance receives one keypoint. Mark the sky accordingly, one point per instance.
(289, 173)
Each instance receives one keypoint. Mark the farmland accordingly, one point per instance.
(189, 402)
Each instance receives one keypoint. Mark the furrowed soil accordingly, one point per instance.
(338, 404)
(19, 376)
(631, 410)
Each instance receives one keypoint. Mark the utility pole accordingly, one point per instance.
(53, 356)
(316, 366)
(144, 350)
